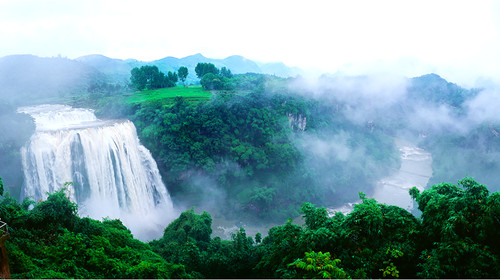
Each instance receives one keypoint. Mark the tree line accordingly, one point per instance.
(455, 237)
(150, 77)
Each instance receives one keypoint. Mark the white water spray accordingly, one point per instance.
(113, 175)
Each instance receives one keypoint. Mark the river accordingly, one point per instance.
(415, 171)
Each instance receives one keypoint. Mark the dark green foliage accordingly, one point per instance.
(212, 82)
(258, 146)
(456, 238)
(210, 79)
(255, 147)
(460, 228)
(51, 241)
(187, 241)
(202, 69)
(55, 213)
(318, 266)
(224, 72)
(182, 72)
(149, 77)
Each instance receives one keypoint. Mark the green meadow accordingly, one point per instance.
(167, 95)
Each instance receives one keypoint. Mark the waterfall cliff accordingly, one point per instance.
(112, 174)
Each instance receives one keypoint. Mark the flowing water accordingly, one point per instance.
(415, 171)
(112, 174)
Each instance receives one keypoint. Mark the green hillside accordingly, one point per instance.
(167, 95)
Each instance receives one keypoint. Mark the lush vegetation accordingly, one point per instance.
(51, 241)
(261, 149)
(167, 95)
(253, 148)
(256, 147)
(455, 237)
(149, 77)
(211, 78)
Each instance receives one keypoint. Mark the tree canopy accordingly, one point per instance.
(202, 69)
(149, 77)
(182, 72)
(455, 237)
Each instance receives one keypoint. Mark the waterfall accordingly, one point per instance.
(112, 174)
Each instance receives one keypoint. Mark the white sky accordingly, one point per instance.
(459, 40)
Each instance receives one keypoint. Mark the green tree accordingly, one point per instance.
(171, 79)
(182, 72)
(458, 226)
(225, 72)
(318, 266)
(202, 69)
(138, 78)
(149, 77)
(211, 81)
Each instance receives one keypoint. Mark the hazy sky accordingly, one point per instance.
(459, 40)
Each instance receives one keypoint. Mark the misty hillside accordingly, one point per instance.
(432, 87)
(253, 153)
(115, 69)
(26, 77)
(23, 76)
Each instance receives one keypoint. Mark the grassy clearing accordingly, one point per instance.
(167, 95)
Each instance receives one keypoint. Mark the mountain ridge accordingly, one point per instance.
(118, 70)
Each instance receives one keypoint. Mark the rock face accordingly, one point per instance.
(297, 122)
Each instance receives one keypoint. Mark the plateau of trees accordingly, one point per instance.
(455, 237)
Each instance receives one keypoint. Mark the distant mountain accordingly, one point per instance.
(24, 78)
(432, 87)
(119, 70)
(279, 69)
(116, 69)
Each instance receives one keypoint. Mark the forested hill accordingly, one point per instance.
(257, 147)
(27, 79)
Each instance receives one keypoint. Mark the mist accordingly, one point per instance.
(26, 78)
(458, 125)
(341, 145)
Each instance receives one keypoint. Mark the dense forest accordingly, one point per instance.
(266, 150)
(251, 147)
(455, 237)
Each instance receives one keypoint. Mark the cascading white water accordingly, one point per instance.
(112, 174)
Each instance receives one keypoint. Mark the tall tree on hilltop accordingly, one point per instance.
(182, 72)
